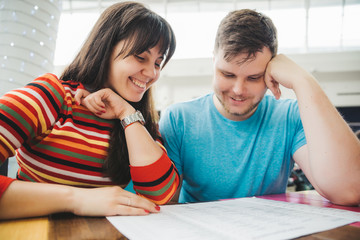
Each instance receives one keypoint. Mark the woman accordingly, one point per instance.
(57, 140)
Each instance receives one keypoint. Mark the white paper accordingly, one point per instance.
(244, 218)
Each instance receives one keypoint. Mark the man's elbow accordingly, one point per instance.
(350, 197)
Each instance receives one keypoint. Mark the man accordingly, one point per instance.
(239, 142)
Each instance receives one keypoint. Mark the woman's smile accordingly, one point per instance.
(138, 83)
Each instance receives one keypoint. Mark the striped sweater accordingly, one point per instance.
(4, 184)
(56, 141)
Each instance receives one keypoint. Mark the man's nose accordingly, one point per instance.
(239, 87)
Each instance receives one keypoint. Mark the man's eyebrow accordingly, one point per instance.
(257, 74)
(224, 71)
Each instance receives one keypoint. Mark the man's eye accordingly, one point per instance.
(228, 75)
(254, 78)
(140, 58)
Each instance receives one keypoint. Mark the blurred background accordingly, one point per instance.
(323, 36)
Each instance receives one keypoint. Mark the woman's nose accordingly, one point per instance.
(150, 71)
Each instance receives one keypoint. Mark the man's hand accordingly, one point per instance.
(282, 70)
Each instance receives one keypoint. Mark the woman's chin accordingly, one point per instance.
(134, 99)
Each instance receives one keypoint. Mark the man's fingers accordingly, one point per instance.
(273, 86)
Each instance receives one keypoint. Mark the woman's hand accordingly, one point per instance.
(80, 95)
(104, 103)
(30, 199)
(110, 201)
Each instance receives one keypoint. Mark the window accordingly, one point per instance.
(303, 25)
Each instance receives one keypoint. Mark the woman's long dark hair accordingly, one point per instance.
(140, 29)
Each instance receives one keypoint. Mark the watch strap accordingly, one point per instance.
(132, 118)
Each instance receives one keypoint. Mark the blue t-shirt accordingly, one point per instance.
(220, 158)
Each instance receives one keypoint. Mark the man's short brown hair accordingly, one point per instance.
(245, 31)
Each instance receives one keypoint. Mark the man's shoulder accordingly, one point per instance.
(284, 109)
(282, 103)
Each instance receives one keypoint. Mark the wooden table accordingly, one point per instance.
(68, 226)
(63, 226)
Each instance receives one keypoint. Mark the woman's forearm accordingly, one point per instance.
(28, 199)
(143, 150)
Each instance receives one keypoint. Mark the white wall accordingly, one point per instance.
(28, 32)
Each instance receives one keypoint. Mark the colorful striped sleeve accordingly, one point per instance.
(4, 184)
(158, 181)
(27, 113)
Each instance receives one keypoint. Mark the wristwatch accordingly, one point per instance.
(135, 117)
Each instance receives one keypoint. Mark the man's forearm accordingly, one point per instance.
(333, 149)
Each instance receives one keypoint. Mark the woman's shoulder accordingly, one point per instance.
(71, 85)
(47, 78)
(57, 84)
(48, 82)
